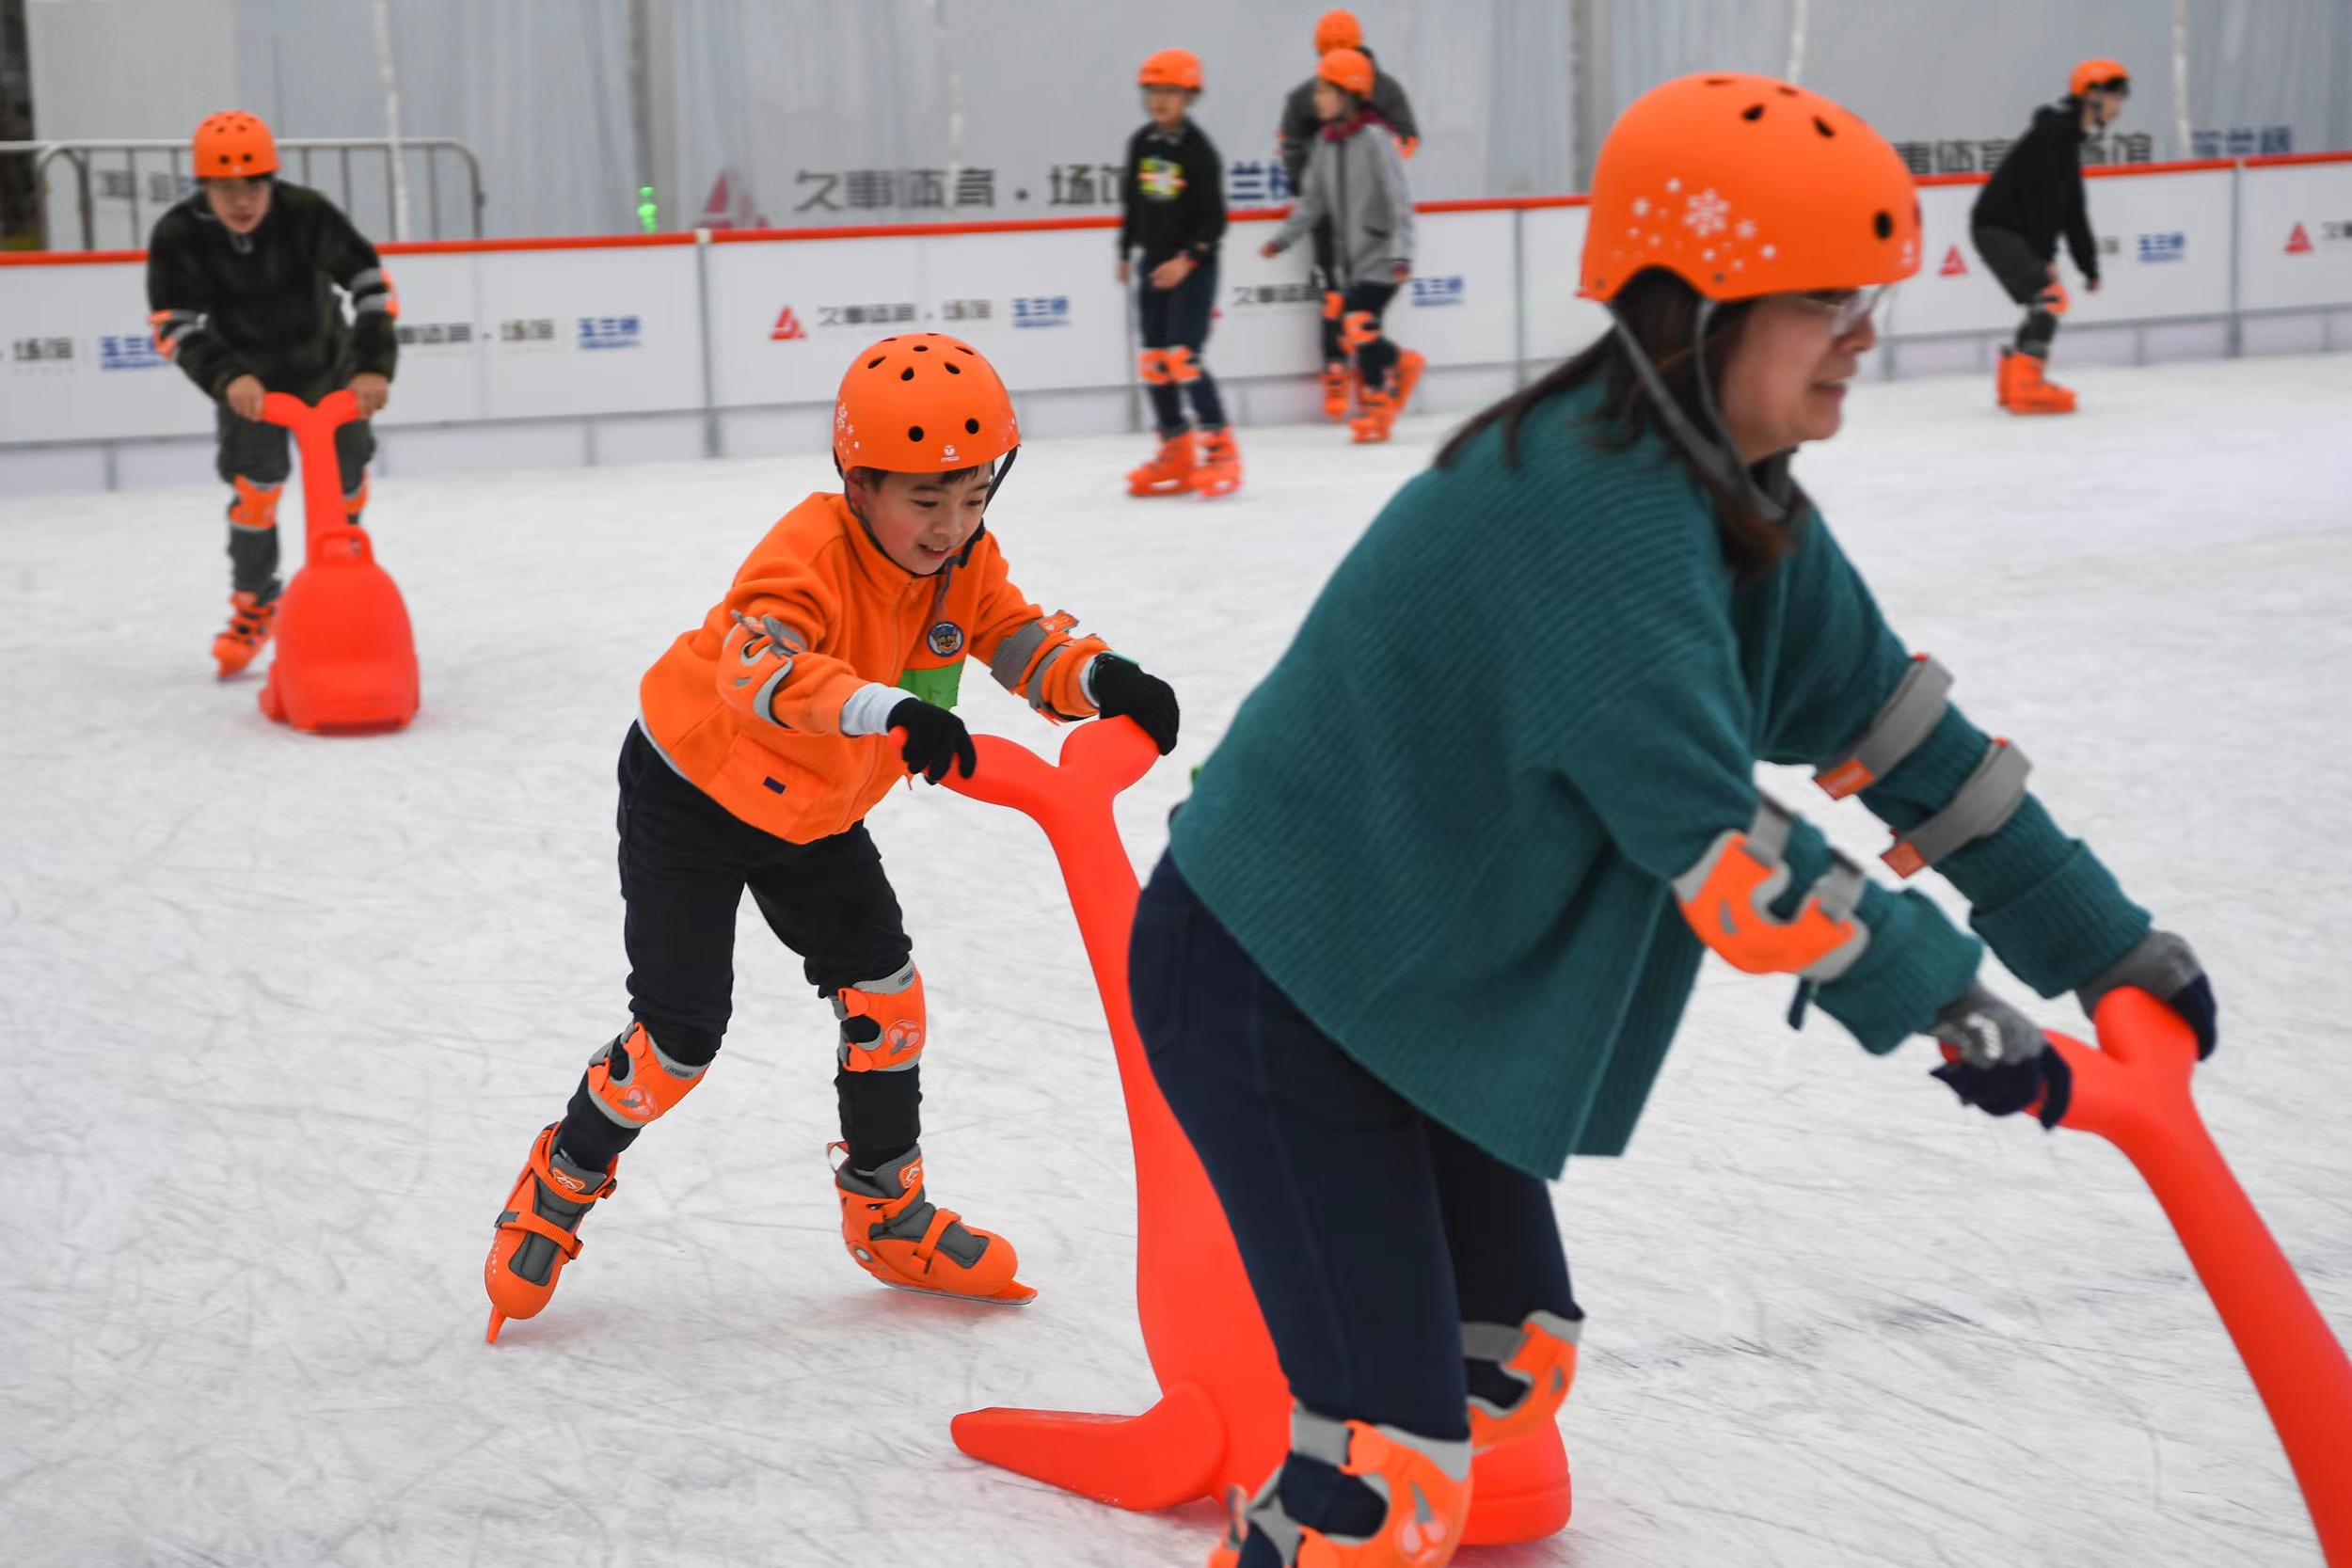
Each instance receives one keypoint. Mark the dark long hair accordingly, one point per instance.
(1663, 312)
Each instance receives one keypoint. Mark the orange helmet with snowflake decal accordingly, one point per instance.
(922, 402)
(1743, 185)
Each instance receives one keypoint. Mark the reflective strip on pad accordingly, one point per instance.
(1982, 805)
(1903, 725)
(1012, 656)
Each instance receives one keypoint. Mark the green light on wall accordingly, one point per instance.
(649, 209)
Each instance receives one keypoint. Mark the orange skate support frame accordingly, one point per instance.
(2133, 1090)
(1223, 1415)
(346, 660)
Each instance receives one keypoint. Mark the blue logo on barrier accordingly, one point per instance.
(1437, 291)
(609, 332)
(1041, 310)
(2164, 248)
(135, 352)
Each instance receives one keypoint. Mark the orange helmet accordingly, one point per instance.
(2097, 73)
(233, 145)
(1743, 185)
(1338, 30)
(1172, 68)
(922, 402)
(1348, 69)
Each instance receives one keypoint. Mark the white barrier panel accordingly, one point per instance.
(617, 329)
(2164, 253)
(2296, 236)
(82, 361)
(1559, 323)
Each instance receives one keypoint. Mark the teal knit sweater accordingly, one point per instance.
(1445, 824)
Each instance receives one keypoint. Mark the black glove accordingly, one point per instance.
(1122, 690)
(1999, 1060)
(2163, 966)
(936, 741)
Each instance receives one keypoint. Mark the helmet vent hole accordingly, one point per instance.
(873, 364)
(1884, 222)
(914, 433)
(922, 348)
(906, 374)
(952, 368)
(1753, 112)
(1719, 81)
(962, 349)
(1822, 126)
(971, 427)
(1787, 91)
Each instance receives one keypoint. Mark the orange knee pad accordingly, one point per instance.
(1540, 1352)
(1151, 364)
(357, 501)
(634, 1081)
(1333, 303)
(1182, 366)
(256, 506)
(1357, 329)
(882, 1021)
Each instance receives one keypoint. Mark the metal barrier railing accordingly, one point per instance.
(298, 156)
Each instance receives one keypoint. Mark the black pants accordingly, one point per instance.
(2024, 273)
(685, 863)
(1328, 279)
(1179, 318)
(257, 453)
(1376, 358)
(1370, 1233)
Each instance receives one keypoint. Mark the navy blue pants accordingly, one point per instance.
(1369, 1232)
(1179, 318)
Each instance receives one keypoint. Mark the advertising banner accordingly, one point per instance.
(2296, 246)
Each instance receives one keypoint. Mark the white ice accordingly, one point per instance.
(283, 1014)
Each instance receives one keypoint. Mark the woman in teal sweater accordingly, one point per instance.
(1428, 922)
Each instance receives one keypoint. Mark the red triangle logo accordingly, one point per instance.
(1954, 266)
(787, 325)
(2298, 242)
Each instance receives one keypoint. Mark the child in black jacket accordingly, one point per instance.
(1173, 192)
(2035, 196)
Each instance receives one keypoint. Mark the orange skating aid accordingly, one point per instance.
(910, 1243)
(1219, 473)
(1169, 471)
(249, 624)
(346, 658)
(538, 1231)
(1223, 1415)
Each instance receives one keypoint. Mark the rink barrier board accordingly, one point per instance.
(718, 323)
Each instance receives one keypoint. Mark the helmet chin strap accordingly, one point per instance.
(963, 557)
(1716, 455)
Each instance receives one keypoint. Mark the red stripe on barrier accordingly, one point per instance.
(1033, 225)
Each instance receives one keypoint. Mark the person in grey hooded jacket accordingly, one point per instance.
(1355, 182)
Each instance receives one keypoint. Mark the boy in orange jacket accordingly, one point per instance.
(764, 736)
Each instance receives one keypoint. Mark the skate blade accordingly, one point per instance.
(498, 1320)
(1012, 1294)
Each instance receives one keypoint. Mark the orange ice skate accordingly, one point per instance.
(2025, 390)
(910, 1243)
(1379, 414)
(537, 1234)
(1219, 473)
(1339, 384)
(251, 619)
(1169, 472)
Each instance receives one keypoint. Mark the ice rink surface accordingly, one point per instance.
(282, 1015)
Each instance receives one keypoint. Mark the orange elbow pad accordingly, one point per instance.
(1727, 898)
(755, 662)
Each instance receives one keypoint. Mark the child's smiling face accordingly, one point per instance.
(921, 521)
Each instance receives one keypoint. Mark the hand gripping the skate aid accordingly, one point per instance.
(828, 673)
(1559, 850)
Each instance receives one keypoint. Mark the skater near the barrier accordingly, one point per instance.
(1355, 182)
(1295, 139)
(2035, 196)
(1427, 924)
(1173, 194)
(824, 677)
(240, 283)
